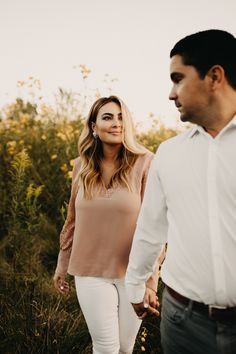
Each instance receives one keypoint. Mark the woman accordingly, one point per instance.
(107, 189)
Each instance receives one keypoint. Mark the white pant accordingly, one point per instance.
(111, 320)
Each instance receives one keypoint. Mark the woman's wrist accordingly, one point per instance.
(149, 287)
(152, 283)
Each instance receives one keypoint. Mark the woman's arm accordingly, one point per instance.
(66, 238)
(152, 282)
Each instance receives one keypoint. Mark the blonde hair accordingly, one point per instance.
(91, 152)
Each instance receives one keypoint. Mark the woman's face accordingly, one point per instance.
(108, 124)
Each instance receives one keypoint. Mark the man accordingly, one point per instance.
(190, 203)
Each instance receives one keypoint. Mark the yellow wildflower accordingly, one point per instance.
(30, 191)
(64, 168)
(11, 146)
(38, 191)
(24, 118)
(72, 162)
(69, 174)
(61, 136)
(85, 71)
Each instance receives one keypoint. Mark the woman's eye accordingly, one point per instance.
(106, 117)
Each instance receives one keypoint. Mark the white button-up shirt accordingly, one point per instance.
(190, 203)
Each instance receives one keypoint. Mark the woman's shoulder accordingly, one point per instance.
(76, 165)
(146, 156)
(77, 161)
(144, 160)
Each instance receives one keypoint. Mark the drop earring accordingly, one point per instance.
(95, 135)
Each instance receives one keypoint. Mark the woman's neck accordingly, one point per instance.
(110, 153)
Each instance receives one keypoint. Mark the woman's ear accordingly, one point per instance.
(93, 125)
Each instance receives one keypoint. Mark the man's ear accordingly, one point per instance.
(216, 74)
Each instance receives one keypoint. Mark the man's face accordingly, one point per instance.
(191, 94)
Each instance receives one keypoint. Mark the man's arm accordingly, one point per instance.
(150, 235)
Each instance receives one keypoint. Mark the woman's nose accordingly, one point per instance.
(117, 122)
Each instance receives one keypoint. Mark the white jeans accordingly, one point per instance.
(111, 320)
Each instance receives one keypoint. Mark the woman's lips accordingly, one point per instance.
(115, 133)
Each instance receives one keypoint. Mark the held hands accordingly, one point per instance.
(149, 306)
(60, 284)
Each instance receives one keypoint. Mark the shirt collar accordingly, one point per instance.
(194, 130)
(199, 128)
(233, 121)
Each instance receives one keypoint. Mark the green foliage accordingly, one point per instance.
(51, 144)
(155, 136)
(37, 148)
(22, 215)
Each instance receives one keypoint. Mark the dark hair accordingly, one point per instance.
(208, 48)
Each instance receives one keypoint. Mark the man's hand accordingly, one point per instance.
(144, 309)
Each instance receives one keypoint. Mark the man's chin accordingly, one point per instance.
(183, 118)
(186, 118)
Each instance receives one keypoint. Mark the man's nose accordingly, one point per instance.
(172, 94)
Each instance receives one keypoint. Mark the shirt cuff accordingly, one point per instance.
(135, 293)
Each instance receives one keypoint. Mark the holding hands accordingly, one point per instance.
(149, 306)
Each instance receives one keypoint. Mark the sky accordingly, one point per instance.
(125, 40)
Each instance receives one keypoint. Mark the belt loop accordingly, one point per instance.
(189, 308)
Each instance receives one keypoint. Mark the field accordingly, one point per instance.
(37, 147)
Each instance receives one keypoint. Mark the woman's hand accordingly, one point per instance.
(149, 306)
(60, 284)
(150, 298)
(144, 309)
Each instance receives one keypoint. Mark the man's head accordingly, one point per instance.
(208, 48)
(203, 72)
